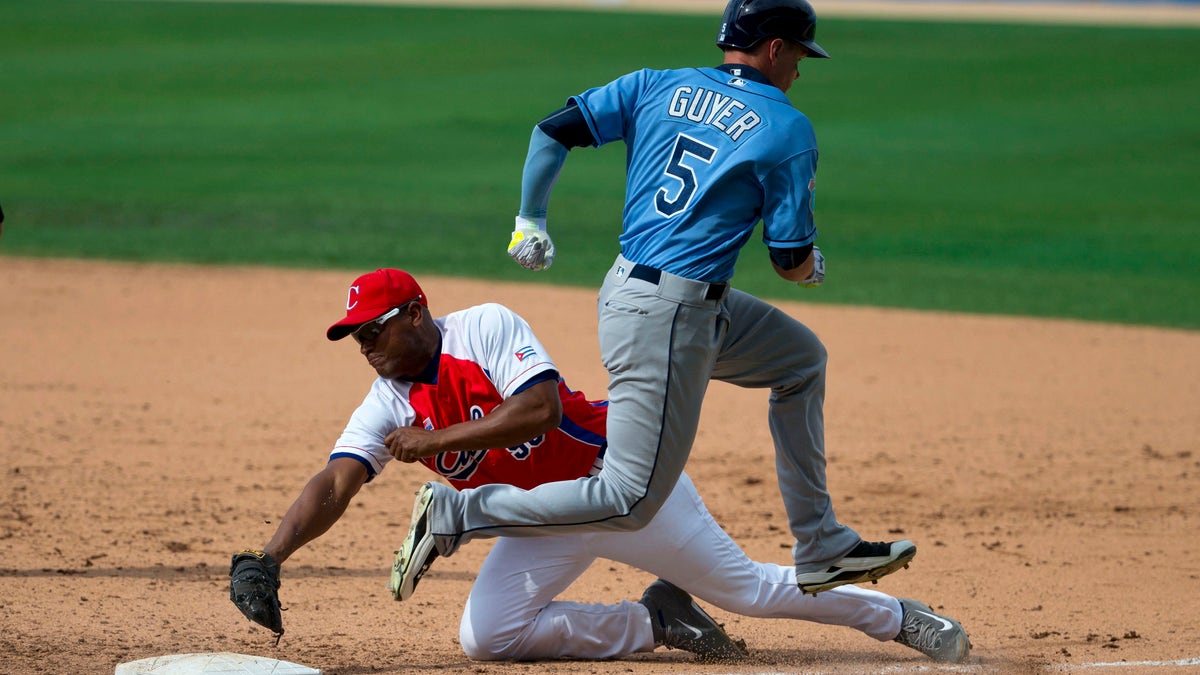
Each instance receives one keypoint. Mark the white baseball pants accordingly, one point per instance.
(511, 612)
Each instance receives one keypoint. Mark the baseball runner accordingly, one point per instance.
(710, 153)
(479, 378)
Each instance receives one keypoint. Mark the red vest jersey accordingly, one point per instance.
(487, 354)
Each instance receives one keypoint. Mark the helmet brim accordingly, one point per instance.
(815, 51)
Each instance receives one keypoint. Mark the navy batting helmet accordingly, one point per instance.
(748, 22)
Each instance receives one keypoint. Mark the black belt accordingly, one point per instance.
(715, 291)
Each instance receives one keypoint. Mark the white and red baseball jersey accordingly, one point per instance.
(488, 353)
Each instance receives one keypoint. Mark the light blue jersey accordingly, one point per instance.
(710, 153)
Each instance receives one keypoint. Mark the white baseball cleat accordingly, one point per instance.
(938, 637)
(869, 561)
(418, 552)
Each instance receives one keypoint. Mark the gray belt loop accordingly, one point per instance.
(618, 274)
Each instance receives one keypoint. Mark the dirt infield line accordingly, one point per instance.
(1147, 14)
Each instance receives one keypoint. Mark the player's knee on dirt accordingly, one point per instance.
(486, 651)
(489, 635)
(481, 638)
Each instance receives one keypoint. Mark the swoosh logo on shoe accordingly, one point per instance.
(696, 632)
(946, 625)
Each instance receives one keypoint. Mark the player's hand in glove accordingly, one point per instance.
(530, 245)
(818, 274)
(254, 586)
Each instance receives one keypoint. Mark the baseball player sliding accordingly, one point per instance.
(710, 153)
(479, 378)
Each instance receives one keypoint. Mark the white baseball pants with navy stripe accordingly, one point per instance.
(511, 612)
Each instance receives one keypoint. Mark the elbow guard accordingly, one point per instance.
(567, 126)
(790, 258)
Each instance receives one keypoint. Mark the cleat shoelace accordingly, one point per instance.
(922, 635)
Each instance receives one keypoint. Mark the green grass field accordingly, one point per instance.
(1040, 170)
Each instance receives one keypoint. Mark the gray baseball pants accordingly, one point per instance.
(661, 344)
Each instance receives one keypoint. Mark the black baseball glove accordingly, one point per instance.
(254, 586)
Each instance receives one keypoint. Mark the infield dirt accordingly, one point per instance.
(154, 419)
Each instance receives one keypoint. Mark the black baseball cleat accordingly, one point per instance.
(868, 561)
(679, 623)
(418, 553)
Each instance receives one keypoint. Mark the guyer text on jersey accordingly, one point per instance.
(705, 106)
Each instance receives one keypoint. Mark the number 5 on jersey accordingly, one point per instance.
(686, 151)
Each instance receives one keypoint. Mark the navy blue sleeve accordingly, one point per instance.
(790, 258)
(567, 126)
(540, 377)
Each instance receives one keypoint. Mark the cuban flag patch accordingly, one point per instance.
(524, 353)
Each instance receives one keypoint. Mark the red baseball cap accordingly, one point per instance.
(373, 295)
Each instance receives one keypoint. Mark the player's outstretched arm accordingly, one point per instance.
(320, 505)
(254, 574)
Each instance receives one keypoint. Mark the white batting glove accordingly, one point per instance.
(530, 245)
(818, 274)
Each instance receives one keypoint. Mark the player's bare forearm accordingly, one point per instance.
(320, 505)
(519, 418)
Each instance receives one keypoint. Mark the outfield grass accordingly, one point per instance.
(1041, 170)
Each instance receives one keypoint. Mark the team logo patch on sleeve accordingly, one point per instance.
(524, 353)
